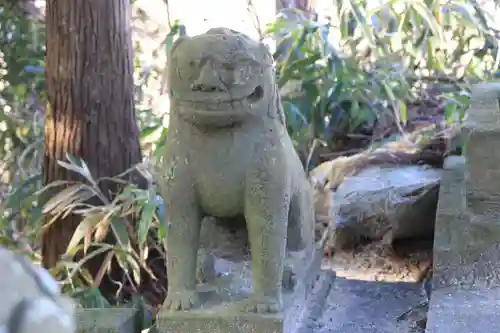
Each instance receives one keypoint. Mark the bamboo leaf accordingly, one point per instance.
(63, 198)
(53, 184)
(103, 227)
(146, 220)
(403, 113)
(119, 230)
(84, 228)
(428, 18)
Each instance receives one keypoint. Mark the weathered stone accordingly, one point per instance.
(464, 311)
(220, 322)
(114, 320)
(30, 298)
(466, 276)
(482, 132)
(379, 201)
(464, 247)
(483, 114)
(301, 307)
(230, 157)
(355, 306)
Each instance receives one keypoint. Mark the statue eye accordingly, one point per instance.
(241, 75)
(229, 67)
(187, 69)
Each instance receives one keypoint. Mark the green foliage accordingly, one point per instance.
(129, 216)
(154, 127)
(21, 77)
(21, 124)
(341, 74)
(333, 94)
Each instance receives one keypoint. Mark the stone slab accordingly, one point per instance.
(465, 242)
(298, 317)
(457, 310)
(302, 305)
(356, 306)
(482, 133)
(303, 316)
(206, 321)
(214, 316)
(466, 280)
(114, 320)
(483, 114)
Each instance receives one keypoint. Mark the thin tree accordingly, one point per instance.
(304, 5)
(90, 112)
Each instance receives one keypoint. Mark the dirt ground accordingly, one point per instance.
(409, 262)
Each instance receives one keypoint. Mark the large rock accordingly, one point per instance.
(31, 301)
(385, 203)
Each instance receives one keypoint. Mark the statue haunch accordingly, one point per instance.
(31, 301)
(229, 155)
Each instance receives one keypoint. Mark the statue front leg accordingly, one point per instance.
(266, 213)
(183, 220)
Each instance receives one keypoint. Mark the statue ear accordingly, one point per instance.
(279, 105)
(177, 42)
(267, 57)
(263, 48)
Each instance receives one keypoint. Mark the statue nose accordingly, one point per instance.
(208, 80)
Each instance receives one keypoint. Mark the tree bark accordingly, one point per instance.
(90, 111)
(305, 5)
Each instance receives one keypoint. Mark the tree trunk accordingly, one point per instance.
(305, 5)
(90, 111)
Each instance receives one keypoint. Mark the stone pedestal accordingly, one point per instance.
(233, 284)
(113, 320)
(207, 321)
(467, 236)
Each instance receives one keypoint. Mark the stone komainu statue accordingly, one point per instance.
(30, 299)
(228, 155)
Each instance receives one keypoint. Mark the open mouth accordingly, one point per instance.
(218, 100)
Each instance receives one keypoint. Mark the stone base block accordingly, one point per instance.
(214, 315)
(113, 320)
(301, 304)
(301, 311)
(202, 321)
(458, 310)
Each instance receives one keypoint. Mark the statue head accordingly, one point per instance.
(220, 78)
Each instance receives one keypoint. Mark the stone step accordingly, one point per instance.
(466, 279)
(305, 315)
(355, 306)
(106, 320)
(458, 310)
(482, 132)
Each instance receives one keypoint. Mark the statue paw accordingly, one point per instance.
(259, 305)
(181, 300)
